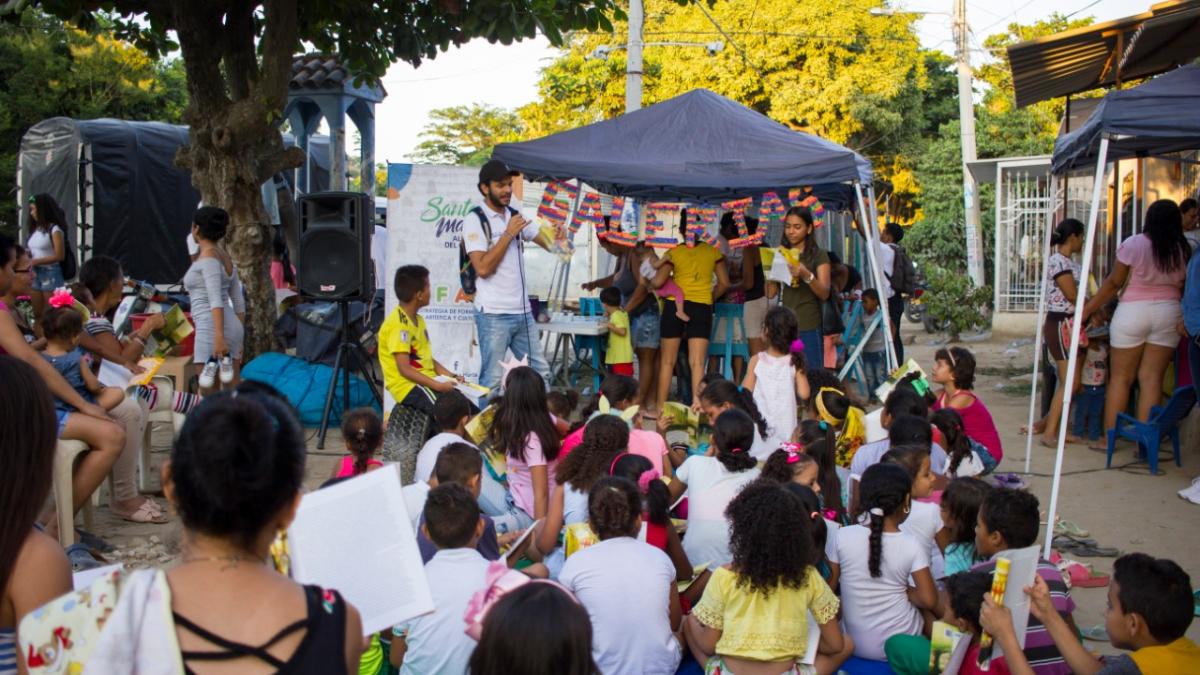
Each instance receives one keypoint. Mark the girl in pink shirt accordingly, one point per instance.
(524, 431)
(955, 371)
(363, 432)
(620, 392)
(1151, 268)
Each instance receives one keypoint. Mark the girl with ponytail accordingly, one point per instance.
(776, 377)
(877, 563)
(1062, 292)
(831, 405)
(723, 395)
(711, 481)
(363, 432)
(657, 529)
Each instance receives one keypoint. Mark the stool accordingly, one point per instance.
(727, 349)
(65, 454)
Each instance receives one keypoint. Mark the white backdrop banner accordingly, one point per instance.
(427, 205)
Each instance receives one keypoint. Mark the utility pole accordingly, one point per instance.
(633, 58)
(966, 116)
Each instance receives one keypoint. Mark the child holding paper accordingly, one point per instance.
(437, 643)
(909, 654)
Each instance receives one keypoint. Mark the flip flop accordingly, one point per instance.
(1066, 527)
(1081, 575)
(81, 558)
(1009, 480)
(1089, 551)
(1095, 634)
(94, 541)
(144, 514)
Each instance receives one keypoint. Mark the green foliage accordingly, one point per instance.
(49, 68)
(953, 302)
(465, 135)
(829, 68)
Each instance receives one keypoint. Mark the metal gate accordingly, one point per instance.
(1024, 208)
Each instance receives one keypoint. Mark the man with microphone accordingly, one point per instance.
(493, 237)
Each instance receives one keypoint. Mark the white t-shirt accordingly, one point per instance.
(414, 500)
(427, 456)
(710, 488)
(970, 466)
(379, 256)
(831, 539)
(887, 261)
(875, 609)
(437, 642)
(625, 585)
(41, 242)
(506, 291)
(923, 523)
(871, 453)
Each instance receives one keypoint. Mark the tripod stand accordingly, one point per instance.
(349, 351)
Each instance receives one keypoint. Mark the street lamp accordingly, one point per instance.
(602, 52)
(966, 117)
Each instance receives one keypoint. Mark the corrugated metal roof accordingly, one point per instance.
(1092, 57)
(324, 73)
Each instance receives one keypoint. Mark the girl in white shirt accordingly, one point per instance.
(627, 586)
(925, 521)
(776, 376)
(877, 560)
(711, 481)
(47, 247)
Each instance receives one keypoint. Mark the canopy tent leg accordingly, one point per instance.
(1041, 318)
(871, 232)
(1073, 355)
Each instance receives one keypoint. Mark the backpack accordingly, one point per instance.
(69, 265)
(467, 276)
(902, 278)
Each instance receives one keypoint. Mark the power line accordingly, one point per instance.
(767, 33)
(727, 36)
(1087, 6)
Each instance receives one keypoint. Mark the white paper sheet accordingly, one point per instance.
(473, 392)
(355, 537)
(779, 271)
(814, 640)
(80, 580)
(521, 539)
(1022, 569)
(113, 375)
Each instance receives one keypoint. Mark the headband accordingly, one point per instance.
(613, 466)
(646, 478)
(823, 411)
(605, 407)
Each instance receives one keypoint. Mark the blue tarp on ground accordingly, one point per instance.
(1158, 117)
(304, 384)
(698, 146)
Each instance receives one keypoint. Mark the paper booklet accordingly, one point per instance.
(114, 375)
(1023, 563)
(905, 369)
(473, 392)
(948, 649)
(356, 537)
(507, 552)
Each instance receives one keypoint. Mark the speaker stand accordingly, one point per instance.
(350, 354)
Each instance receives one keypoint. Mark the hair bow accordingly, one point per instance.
(646, 478)
(877, 512)
(735, 450)
(62, 298)
(797, 346)
(793, 450)
(830, 514)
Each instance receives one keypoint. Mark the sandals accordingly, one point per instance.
(146, 513)
(1087, 548)
(1009, 480)
(1067, 528)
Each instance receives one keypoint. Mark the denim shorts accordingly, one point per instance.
(47, 278)
(646, 330)
(60, 418)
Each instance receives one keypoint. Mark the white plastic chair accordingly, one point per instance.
(64, 464)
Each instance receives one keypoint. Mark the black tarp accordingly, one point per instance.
(1155, 118)
(141, 203)
(697, 146)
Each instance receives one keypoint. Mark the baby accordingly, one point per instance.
(650, 264)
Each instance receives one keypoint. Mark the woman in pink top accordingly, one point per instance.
(955, 371)
(620, 391)
(1151, 268)
(524, 431)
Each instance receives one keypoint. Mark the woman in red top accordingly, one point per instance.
(955, 371)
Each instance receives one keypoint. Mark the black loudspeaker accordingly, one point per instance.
(334, 262)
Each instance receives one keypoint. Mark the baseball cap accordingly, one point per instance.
(495, 170)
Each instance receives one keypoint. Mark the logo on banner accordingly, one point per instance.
(447, 217)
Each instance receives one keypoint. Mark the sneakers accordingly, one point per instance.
(226, 369)
(1192, 492)
(208, 376)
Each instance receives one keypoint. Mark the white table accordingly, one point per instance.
(567, 330)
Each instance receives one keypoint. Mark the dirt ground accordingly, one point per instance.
(1123, 507)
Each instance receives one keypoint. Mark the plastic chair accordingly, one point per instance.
(65, 454)
(725, 349)
(163, 413)
(1164, 421)
(589, 348)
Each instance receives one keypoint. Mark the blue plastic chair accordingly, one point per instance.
(589, 348)
(1164, 421)
(723, 347)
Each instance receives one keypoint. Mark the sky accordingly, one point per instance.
(506, 76)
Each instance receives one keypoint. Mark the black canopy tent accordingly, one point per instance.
(698, 146)
(703, 147)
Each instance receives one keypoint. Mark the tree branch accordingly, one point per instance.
(280, 39)
(241, 63)
(198, 25)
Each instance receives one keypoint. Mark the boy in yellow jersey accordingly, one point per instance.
(405, 354)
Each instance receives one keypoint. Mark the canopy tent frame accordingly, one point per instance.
(1041, 312)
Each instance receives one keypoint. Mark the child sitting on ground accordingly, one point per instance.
(62, 325)
(1009, 519)
(873, 358)
(776, 376)
(451, 412)
(925, 519)
(909, 654)
(955, 371)
(901, 401)
(525, 432)
(542, 612)
(819, 442)
(562, 405)
(824, 534)
(966, 457)
(657, 528)
(362, 431)
(625, 585)
(617, 395)
(649, 264)
(460, 463)
(436, 643)
(711, 481)
(790, 464)
(832, 406)
(1150, 607)
(877, 560)
(960, 511)
(618, 355)
(755, 610)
